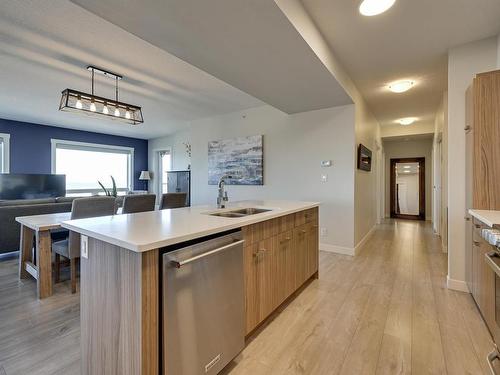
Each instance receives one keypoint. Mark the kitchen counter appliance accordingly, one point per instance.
(203, 305)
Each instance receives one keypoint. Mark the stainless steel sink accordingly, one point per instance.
(240, 212)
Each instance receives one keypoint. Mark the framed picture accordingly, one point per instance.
(242, 158)
(364, 158)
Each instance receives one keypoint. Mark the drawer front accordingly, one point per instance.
(306, 216)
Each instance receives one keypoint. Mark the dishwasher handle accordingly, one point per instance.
(177, 264)
(490, 358)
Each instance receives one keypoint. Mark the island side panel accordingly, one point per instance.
(119, 311)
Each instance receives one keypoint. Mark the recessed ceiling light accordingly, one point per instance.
(406, 121)
(401, 86)
(373, 7)
(407, 167)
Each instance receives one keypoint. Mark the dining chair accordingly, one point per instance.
(138, 203)
(70, 247)
(173, 200)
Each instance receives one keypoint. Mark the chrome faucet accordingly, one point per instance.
(222, 197)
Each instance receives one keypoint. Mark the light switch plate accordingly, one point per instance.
(326, 163)
(84, 247)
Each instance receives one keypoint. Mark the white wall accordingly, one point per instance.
(464, 62)
(409, 149)
(440, 173)
(366, 128)
(294, 146)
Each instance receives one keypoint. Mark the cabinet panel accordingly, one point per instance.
(260, 281)
(300, 251)
(285, 263)
(312, 242)
(486, 286)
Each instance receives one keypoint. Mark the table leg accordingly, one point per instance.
(25, 250)
(44, 263)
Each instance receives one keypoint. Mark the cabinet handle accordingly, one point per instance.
(467, 128)
(476, 243)
(285, 239)
(467, 218)
(259, 253)
(477, 226)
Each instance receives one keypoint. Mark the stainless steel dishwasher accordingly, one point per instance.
(203, 305)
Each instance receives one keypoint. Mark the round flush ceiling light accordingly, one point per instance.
(401, 86)
(406, 121)
(373, 7)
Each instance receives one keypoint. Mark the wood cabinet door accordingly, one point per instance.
(285, 265)
(486, 285)
(300, 252)
(252, 286)
(312, 240)
(260, 281)
(475, 270)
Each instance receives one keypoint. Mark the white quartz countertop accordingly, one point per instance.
(488, 217)
(151, 230)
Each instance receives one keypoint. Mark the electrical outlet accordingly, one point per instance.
(323, 232)
(84, 247)
(324, 178)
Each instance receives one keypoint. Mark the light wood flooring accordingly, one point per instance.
(385, 311)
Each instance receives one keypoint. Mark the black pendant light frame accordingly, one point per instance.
(78, 101)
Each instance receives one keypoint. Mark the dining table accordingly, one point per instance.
(35, 259)
(35, 255)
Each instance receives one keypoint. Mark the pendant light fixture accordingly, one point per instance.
(90, 104)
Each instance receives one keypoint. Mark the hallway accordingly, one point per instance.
(386, 311)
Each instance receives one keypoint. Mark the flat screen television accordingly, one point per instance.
(32, 186)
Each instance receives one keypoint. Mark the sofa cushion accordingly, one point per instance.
(26, 202)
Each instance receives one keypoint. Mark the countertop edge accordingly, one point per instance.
(140, 248)
(488, 217)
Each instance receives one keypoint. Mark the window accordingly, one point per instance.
(84, 164)
(4, 152)
(165, 165)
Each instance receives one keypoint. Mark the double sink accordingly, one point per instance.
(240, 212)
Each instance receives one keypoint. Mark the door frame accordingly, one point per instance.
(421, 190)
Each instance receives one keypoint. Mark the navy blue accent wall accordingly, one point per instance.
(30, 147)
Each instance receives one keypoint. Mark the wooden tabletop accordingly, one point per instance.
(44, 222)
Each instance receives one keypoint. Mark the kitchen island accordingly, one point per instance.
(122, 312)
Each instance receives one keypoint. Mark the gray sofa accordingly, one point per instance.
(9, 210)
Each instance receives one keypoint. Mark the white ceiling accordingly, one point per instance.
(251, 45)
(45, 46)
(410, 41)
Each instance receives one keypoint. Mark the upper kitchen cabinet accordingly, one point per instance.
(484, 112)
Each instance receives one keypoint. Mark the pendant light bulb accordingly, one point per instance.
(79, 104)
(105, 109)
(92, 106)
(117, 112)
(127, 114)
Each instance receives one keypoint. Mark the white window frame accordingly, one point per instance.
(94, 147)
(158, 166)
(6, 153)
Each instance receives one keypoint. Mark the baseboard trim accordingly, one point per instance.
(459, 285)
(364, 240)
(336, 249)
